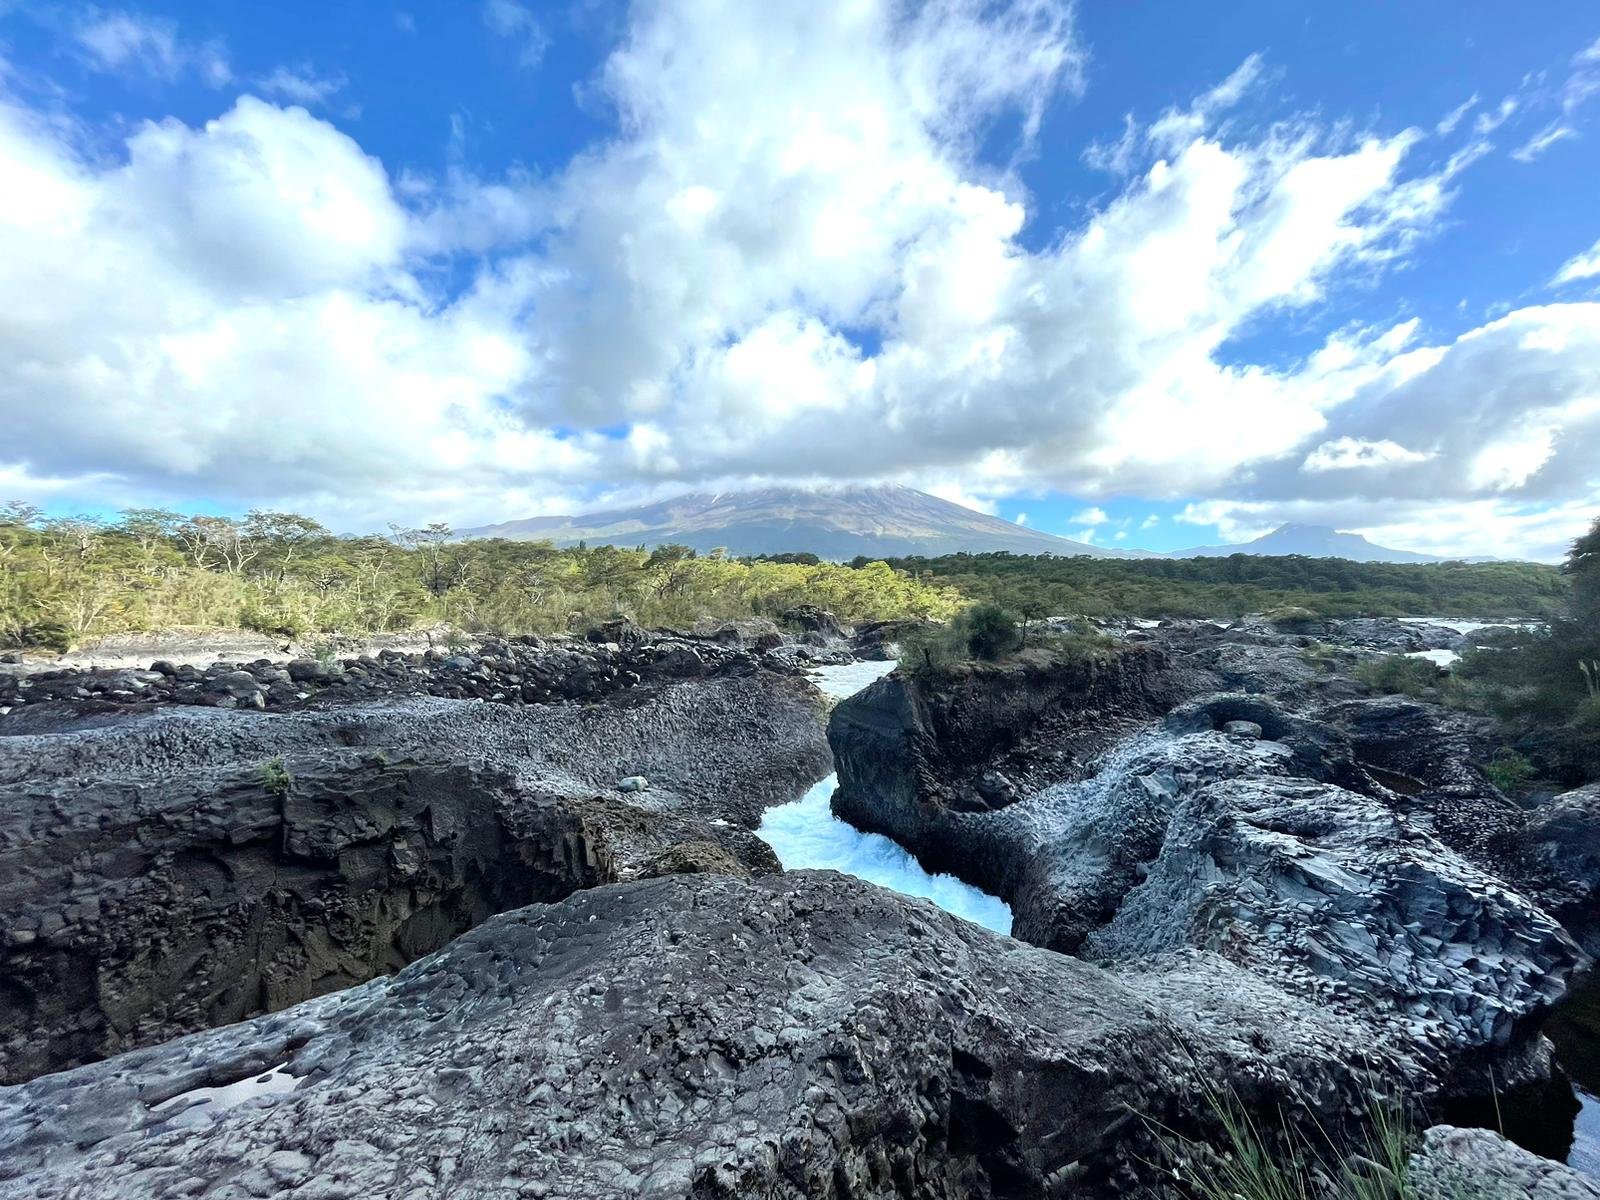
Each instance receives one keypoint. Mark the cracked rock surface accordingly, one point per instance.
(168, 871)
(1275, 843)
(1454, 1163)
(798, 1035)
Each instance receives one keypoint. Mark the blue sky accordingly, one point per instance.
(1151, 274)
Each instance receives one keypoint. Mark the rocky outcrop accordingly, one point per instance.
(815, 622)
(1454, 1163)
(804, 1035)
(166, 871)
(514, 671)
(1564, 835)
(1237, 825)
(913, 749)
(138, 912)
(879, 641)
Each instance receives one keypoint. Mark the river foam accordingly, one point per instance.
(805, 835)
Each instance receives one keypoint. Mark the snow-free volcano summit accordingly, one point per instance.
(837, 523)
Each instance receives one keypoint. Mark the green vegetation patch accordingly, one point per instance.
(1242, 583)
(65, 580)
(1401, 675)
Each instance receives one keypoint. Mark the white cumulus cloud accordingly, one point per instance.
(796, 256)
(1347, 453)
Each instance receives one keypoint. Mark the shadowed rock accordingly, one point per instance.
(170, 871)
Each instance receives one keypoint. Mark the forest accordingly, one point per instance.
(1043, 585)
(65, 580)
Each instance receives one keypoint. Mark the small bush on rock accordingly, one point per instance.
(989, 631)
(1400, 674)
(275, 776)
(1509, 771)
(1289, 616)
(931, 651)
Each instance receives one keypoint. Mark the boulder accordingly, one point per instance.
(239, 687)
(620, 631)
(1564, 834)
(879, 641)
(809, 618)
(1453, 1164)
(797, 1036)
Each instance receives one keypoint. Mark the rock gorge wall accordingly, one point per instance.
(1249, 823)
(167, 871)
(914, 754)
(141, 912)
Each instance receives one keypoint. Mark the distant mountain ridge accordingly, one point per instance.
(878, 521)
(1312, 541)
(887, 521)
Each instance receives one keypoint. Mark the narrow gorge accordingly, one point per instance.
(376, 941)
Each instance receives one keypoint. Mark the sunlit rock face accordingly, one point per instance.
(1238, 823)
(798, 1035)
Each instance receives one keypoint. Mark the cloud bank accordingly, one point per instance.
(797, 257)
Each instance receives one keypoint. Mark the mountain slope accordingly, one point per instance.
(835, 523)
(1313, 541)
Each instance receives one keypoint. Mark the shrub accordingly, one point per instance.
(1509, 771)
(1257, 1161)
(1290, 615)
(1586, 718)
(46, 635)
(1078, 644)
(275, 777)
(931, 651)
(1400, 674)
(989, 631)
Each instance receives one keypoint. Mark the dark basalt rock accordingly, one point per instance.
(877, 641)
(802, 1035)
(912, 750)
(614, 658)
(1290, 854)
(809, 618)
(138, 912)
(167, 871)
(1564, 836)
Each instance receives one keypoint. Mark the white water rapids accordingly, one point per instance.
(806, 835)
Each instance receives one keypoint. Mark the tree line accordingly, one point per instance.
(1047, 585)
(64, 580)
